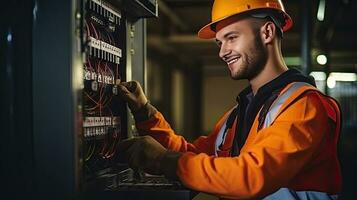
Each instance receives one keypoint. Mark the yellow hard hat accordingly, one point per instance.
(223, 9)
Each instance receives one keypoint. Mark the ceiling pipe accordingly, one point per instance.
(306, 37)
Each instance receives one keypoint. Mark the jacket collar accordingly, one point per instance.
(289, 76)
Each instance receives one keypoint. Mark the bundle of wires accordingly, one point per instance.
(98, 103)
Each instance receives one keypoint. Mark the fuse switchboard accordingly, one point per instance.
(104, 115)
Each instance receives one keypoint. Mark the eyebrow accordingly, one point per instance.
(227, 35)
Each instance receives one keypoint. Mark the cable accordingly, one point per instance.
(111, 152)
(103, 148)
(97, 36)
(91, 153)
(99, 101)
(110, 70)
(90, 64)
(87, 27)
(90, 98)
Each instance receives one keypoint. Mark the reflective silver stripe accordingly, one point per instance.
(275, 107)
(288, 194)
(271, 115)
(220, 135)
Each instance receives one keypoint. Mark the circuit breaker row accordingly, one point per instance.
(105, 51)
(97, 126)
(100, 121)
(106, 10)
(100, 77)
(102, 21)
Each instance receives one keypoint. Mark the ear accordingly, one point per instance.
(268, 32)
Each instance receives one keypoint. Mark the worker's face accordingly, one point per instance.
(241, 47)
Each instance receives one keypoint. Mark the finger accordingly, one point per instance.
(122, 89)
(130, 85)
(125, 84)
(125, 94)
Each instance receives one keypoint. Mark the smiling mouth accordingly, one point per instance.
(231, 61)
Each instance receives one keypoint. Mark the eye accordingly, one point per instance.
(231, 38)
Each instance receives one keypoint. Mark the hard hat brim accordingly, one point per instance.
(206, 32)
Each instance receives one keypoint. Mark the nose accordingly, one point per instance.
(224, 52)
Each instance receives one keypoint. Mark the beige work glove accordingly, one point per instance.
(145, 153)
(132, 93)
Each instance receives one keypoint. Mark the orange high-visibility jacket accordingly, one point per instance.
(295, 152)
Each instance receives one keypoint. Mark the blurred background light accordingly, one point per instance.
(339, 76)
(321, 59)
(321, 11)
(319, 76)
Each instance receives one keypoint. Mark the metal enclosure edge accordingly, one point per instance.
(136, 59)
(55, 99)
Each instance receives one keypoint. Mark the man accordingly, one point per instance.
(279, 142)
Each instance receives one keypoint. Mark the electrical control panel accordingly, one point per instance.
(104, 114)
(80, 50)
(108, 40)
(111, 46)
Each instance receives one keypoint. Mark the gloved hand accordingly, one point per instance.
(147, 154)
(132, 93)
(143, 153)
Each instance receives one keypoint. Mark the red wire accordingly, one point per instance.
(108, 149)
(95, 31)
(87, 27)
(90, 97)
(105, 103)
(110, 70)
(90, 64)
(111, 152)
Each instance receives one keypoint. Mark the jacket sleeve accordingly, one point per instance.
(275, 156)
(158, 128)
